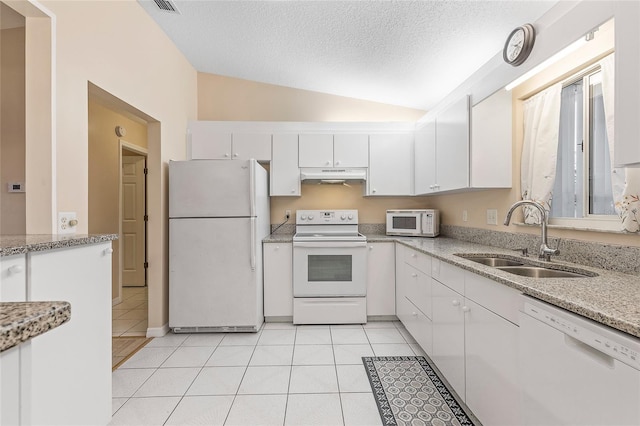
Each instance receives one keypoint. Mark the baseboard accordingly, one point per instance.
(158, 331)
(116, 301)
(279, 319)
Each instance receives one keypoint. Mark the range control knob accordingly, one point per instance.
(310, 217)
(343, 217)
(350, 217)
(303, 217)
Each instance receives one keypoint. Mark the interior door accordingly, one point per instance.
(133, 229)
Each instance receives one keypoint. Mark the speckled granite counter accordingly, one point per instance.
(21, 321)
(611, 298)
(20, 244)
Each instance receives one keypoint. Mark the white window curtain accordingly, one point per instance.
(540, 150)
(625, 182)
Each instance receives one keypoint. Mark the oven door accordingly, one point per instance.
(329, 268)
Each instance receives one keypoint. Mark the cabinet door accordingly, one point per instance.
(251, 145)
(278, 281)
(316, 150)
(381, 280)
(448, 335)
(13, 278)
(390, 164)
(209, 143)
(285, 175)
(10, 386)
(425, 159)
(491, 142)
(71, 365)
(491, 362)
(452, 150)
(351, 150)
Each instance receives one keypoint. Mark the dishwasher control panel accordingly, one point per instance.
(606, 340)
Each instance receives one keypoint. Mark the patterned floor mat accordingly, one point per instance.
(408, 392)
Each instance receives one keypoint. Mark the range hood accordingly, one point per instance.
(332, 175)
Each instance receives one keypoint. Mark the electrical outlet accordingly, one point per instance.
(492, 217)
(465, 216)
(287, 214)
(67, 222)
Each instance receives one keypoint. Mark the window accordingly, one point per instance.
(582, 187)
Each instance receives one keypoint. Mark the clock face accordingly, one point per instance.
(514, 45)
(519, 45)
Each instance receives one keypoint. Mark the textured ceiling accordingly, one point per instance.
(409, 53)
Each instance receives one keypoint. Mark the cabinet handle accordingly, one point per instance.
(337, 163)
(415, 314)
(455, 303)
(108, 251)
(373, 190)
(466, 309)
(293, 191)
(414, 275)
(277, 247)
(235, 155)
(370, 247)
(15, 269)
(226, 154)
(414, 255)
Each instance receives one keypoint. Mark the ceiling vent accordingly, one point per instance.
(166, 6)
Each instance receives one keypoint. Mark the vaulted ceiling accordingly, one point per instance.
(408, 53)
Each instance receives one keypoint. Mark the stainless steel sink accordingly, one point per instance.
(523, 267)
(538, 272)
(495, 261)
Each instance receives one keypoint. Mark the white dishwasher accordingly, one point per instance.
(575, 371)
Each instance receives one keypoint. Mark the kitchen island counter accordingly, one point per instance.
(20, 244)
(21, 321)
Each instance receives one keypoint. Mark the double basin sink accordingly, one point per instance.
(522, 267)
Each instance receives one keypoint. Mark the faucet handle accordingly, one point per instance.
(524, 251)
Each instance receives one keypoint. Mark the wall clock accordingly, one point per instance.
(519, 45)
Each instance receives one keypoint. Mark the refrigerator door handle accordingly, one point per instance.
(252, 187)
(253, 243)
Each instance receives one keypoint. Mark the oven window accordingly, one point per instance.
(330, 267)
(404, 222)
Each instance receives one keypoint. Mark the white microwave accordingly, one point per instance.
(420, 223)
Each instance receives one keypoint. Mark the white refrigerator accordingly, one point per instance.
(218, 217)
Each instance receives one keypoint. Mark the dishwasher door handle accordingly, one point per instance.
(589, 351)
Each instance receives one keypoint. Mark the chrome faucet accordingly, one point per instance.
(545, 251)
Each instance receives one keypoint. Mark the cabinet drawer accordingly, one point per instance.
(418, 260)
(419, 326)
(504, 301)
(418, 289)
(449, 275)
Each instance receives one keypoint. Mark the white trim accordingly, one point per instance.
(132, 147)
(304, 127)
(158, 331)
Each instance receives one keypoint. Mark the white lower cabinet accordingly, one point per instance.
(70, 376)
(381, 271)
(468, 325)
(10, 386)
(278, 280)
(13, 278)
(448, 335)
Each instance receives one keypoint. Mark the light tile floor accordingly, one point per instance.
(282, 375)
(129, 317)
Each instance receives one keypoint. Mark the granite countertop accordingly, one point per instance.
(610, 298)
(20, 244)
(20, 321)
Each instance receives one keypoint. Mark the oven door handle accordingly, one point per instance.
(330, 244)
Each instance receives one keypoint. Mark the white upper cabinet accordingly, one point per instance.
(425, 158)
(491, 137)
(351, 150)
(339, 150)
(246, 146)
(442, 150)
(285, 175)
(316, 150)
(452, 146)
(209, 141)
(390, 164)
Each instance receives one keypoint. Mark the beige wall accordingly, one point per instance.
(104, 173)
(116, 46)
(231, 99)
(12, 130)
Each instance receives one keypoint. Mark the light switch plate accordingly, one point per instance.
(67, 223)
(492, 217)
